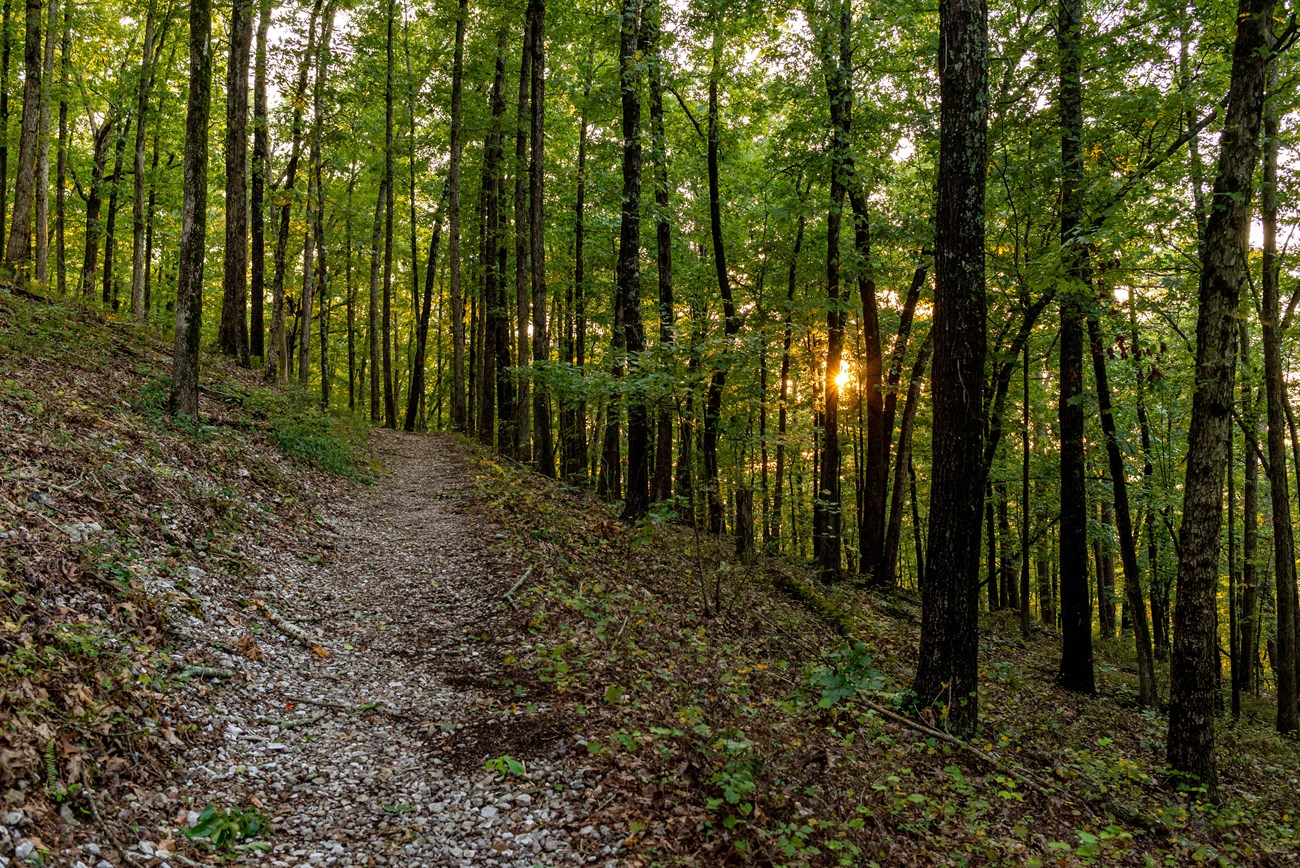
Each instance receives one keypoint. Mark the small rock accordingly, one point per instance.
(487, 812)
(146, 847)
(26, 852)
(13, 818)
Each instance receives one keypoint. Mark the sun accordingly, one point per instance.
(843, 378)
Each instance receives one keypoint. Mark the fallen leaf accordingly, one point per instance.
(319, 651)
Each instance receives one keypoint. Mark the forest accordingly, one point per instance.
(985, 307)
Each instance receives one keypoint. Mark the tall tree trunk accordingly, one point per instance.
(1147, 690)
(495, 321)
(376, 239)
(277, 354)
(1223, 271)
(109, 288)
(894, 529)
(232, 335)
(350, 297)
(61, 172)
(661, 486)
(1076, 669)
(20, 230)
(1276, 394)
(501, 337)
(184, 398)
(946, 673)
(390, 403)
(731, 322)
(523, 408)
(314, 237)
(835, 49)
(1250, 518)
(94, 204)
(458, 420)
(875, 477)
(6, 51)
(257, 196)
(138, 194)
(43, 150)
(416, 394)
(783, 391)
(544, 451)
(637, 495)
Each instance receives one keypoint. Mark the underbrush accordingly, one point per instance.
(109, 509)
(779, 730)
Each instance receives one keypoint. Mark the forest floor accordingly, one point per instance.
(277, 638)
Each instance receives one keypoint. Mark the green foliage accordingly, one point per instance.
(232, 829)
(846, 674)
(506, 766)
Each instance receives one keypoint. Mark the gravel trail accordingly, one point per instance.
(354, 756)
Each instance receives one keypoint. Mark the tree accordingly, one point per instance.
(1076, 670)
(544, 450)
(637, 499)
(946, 673)
(257, 196)
(42, 207)
(232, 336)
(458, 412)
(1190, 747)
(138, 179)
(20, 229)
(184, 397)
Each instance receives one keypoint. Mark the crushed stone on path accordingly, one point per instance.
(346, 753)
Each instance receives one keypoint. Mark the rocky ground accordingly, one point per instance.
(345, 692)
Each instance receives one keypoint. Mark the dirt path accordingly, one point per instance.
(355, 756)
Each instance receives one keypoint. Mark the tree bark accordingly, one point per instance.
(1249, 638)
(544, 450)
(1223, 271)
(20, 230)
(388, 338)
(109, 287)
(458, 415)
(5, 53)
(372, 325)
(313, 237)
(232, 335)
(184, 398)
(946, 673)
(637, 493)
(43, 150)
(1147, 691)
(257, 196)
(277, 360)
(894, 529)
(61, 172)
(661, 486)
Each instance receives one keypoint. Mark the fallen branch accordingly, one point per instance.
(509, 596)
(207, 672)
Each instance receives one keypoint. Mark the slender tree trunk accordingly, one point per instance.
(783, 391)
(458, 414)
(637, 496)
(43, 150)
(313, 246)
(894, 529)
(946, 673)
(277, 354)
(544, 451)
(109, 288)
(1250, 518)
(731, 322)
(5, 53)
(232, 335)
(351, 298)
(390, 403)
(661, 487)
(523, 408)
(138, 193)
(1278, 480)
(261, 162)
(61, 172)
(1147, 690)
(94, 203)
(1223, 271)
(184, 398)
(1076, 669)
(20, 230)
(499, 314)
(376, 239)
